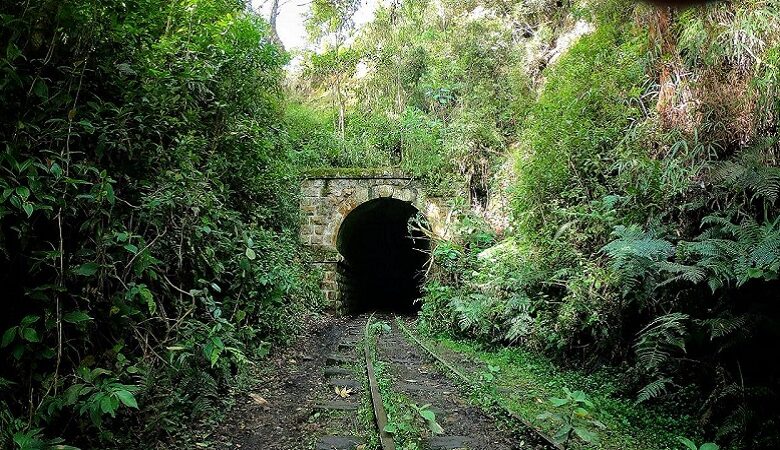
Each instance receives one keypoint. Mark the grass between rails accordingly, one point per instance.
(402, 421)
(408, 433)
(523, 382)
(366, 409)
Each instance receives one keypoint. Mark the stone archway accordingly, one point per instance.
(327, 200)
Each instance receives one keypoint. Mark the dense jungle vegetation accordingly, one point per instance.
(149, 220)
(613, 169)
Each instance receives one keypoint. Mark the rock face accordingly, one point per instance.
(327, 200)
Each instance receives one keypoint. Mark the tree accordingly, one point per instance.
(330, 24)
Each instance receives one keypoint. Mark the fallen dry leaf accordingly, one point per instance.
(343, 392)
(259, 400)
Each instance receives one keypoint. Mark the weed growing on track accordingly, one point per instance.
(525, 382)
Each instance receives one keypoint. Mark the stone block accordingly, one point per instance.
(309, 202)
(319, 219)
(384, 190)
(306, 230)
(406, 195)
(312, 188)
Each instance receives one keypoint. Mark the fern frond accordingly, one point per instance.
(654, 389)
(690, 273)
(753, 171)
(660, 339)
(724, 326)
(636, 253)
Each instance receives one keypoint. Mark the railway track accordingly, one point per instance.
(413, 375)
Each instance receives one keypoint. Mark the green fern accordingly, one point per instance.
(754, 170)
(635, 254)
(654, 389)
(724, 326)
(660, 340)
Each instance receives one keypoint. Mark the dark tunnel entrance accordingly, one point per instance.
(383, 263)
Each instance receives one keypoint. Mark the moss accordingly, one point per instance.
(525, 381)
(356, 172)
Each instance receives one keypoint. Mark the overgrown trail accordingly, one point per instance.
(315, 396)
(279, 416)
(414, 379)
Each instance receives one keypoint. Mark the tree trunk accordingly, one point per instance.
(272, 21)
(342, 112)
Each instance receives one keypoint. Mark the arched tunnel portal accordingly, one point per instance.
(383, 258)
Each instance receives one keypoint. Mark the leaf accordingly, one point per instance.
(87, 269)
(12, 52)
(558, 402)
(73, 392)
(29, 334)
(545, 416)
(40, 89)
(250, 254)
(427, 414)
(146, 295)
(109, 404)
(709, 446)
(214, 350)
(562, 435)
(344, 392)
(76, 317)
(390, 428)
(29, 320)
(29, 209)
(258, 399)
(8, 337)
(23, 192)
(582, 412)
(584, 434)
(126, 398)
(109, 191)
(55, 169)
(580, 397)
(435, 428)
(688, 443)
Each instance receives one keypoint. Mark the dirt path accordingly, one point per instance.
(292, 384)
(464, 425)
(296, 405)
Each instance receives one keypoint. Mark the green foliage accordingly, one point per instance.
(429, 417)
(524, 379)
(578, 124)
(148, 218)
(690, 445)
(645, 185)
(573, 415)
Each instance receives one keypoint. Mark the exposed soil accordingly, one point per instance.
(292, 384)
(295, 407)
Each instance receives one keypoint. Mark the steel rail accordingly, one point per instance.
(385, 438)
(460, 375)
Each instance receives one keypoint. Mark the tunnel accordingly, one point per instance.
(383, 261)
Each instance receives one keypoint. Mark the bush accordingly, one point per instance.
(148, 216)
